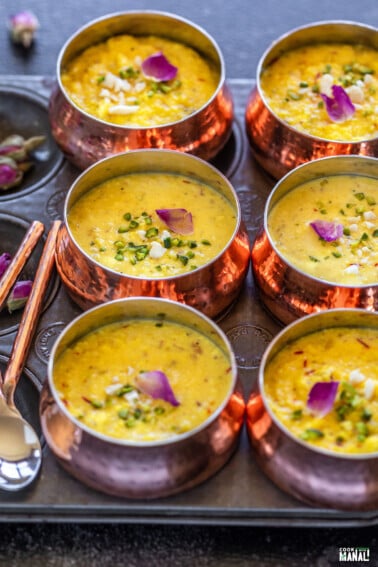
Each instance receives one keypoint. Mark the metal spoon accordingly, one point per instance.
(20, 449)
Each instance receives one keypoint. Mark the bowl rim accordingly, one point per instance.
(183, 156)
(282, 428)
(144, 444)
(174, 17)
(268, 207)
(274, 44)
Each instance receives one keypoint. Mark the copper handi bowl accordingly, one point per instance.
(316, 476)
(286, 291)
(210, 288)
(279, 147)
(141, 469)
(85, 139)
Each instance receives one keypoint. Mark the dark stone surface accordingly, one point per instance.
(111, 545)
(243, 29)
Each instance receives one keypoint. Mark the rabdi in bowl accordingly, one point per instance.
(137, 80)
(312, 418)
(316, 96)
(153, 223)
(319, 245)
(142, 398)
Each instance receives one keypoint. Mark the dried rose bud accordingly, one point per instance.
(14, 151)
(13, 140)
(5, 260)
(10, 173)
(22, 27)
(24, 165)
(19, 295)
(18, 148)
(31, 143)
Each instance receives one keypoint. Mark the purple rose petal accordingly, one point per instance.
(158, 67)
(328, 231)
(339, 107)
(321, 397)
(5, 260)
(178, 220)
(156, 385)
(19, 295)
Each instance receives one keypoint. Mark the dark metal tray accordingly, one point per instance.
(239, 494)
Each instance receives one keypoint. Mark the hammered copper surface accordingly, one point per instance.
(85, 139)
(320, 478)
(286, 291)
(239, 493)
(210, 288)
(279, 147)
(132, 469)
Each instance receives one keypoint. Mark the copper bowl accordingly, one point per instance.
(210, 288)
(286, 291)
(317, 476)
(85, 139)
(141, 469)
(279, 147)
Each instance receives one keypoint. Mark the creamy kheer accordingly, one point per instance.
(349, 202)
(106, 80)
(345, 355)
(293, 83)
(97, 379)
(117, 225)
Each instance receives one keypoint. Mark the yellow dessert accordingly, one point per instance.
(348, 207)
(100, 379)
(107, 81)
(117, 224)
(294, 82)
(346, 359)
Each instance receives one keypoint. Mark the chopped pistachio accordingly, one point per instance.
(366, 415)
(297, 414)
(312, 434)
(151, 232)
(360, 196)
(293, 95)
(183, 259)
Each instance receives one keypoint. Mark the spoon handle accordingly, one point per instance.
(26, 247)
(30, 316)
